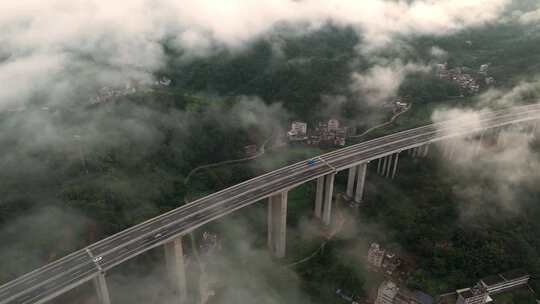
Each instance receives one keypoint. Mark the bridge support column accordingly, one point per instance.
(496, 136)
(351, 181)
(100, 283)
(390, 161)
(362, 170)
(176, 272)
(451, 150)
(379, 166)
(395, 166)
(319, 197)
(479, 143)
(426, 150)
(502, 140)
(383, 169)
(328, 192)
(277, 224)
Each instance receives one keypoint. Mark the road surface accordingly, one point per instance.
(79, 267)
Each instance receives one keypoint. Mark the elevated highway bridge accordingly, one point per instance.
(92, 263)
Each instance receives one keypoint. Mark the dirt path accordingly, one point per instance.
(340, 223)
(260, 153)
(392, 119)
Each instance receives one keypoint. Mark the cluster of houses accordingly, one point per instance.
(466, 82)
(390, 292)
(484, 71)
(106, 93)
(329, 133)
(381, 259)
(397, 104)
(469, 81)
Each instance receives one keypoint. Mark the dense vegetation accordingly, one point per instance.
(423, 214)
(91, 171)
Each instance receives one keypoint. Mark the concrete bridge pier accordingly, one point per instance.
(362, 170)
(350, 182)
(450, 149)
(389, 168)
(421, 151)
(277, 224)
(479, 143)
(418, 151)
(394, 171)
(389, 165)
(323, 197)
(496, 136)
(426, 150)
(503, 139)
(176, 272)
(355, 182)
(100, 283)
(383, 169)
(327, 201)
(319, 197)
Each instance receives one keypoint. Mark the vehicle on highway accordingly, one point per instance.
(311, 162)
(157, 235)
(97, 259)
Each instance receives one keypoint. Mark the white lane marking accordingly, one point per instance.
(174, 213)
(34, 299)
(520, 120)
(333, 169)
(25, 298)
(95, 260)
(78, 272)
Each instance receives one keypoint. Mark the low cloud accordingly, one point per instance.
(530, 17)
(525, 91)
(438, 53)
(382, 81)
(63, 49)
(52, 233)
(494, 167)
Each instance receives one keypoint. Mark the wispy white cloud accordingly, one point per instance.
(53, 44)
(530, 17)
(383, 80)
(492, 168)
